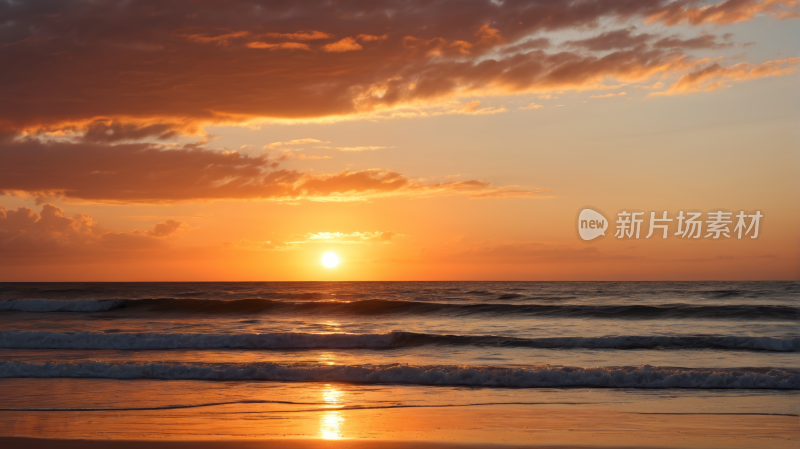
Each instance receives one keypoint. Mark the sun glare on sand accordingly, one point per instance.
(330, 260)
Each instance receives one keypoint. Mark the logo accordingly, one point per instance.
(591, 224)
(719, 224)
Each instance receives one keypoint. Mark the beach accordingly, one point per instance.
(667, 365)
(451, 427)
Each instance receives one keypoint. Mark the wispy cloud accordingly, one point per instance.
(289, 155)
(532, 106)
(292, 143)
(349, 238)
(609, 95)
(299, 36)
(354, 149)
(715, 76)
(279, 46)
(153, 173)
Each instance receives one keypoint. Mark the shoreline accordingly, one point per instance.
(308, 443)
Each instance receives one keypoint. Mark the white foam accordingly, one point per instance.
(791, 344)
(56, 305)
(290, 340)
(152, 341)
(645, 376)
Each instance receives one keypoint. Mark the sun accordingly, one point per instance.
(330, 260)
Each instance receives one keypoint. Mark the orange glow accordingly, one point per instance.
(460, 148)
(331, 422)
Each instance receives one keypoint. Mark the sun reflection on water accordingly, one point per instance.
(329, 358)
(330, 425)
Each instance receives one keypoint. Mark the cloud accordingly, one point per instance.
(612, 40)
(608, 95)
(370, 38)
(296, 142)
(24, 232)
(221, 39)
(153, 173)
(300, 142)
(107, 131)
(280, 46)
(473, 108)
(288, 155)
(366, 148)
(166, 228)
(346, 44)
(526, 45)
(507, 192)
(316, 237)
(299, 36)
(625, 38)
(353, 237)
(703, 41)
(728, 11)
(78, 62)
(715, 76)
(532, 106)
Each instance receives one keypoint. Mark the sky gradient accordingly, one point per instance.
(419, 140)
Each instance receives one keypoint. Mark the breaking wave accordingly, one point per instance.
(290, 340)
(386, 307)
(645, 376)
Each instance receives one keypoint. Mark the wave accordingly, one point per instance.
(385, 307)
(51, 305)
(645, 376)
(291, 340)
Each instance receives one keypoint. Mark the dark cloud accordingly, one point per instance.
(152, 173)
(114, 131)
(704, 41)
(156, 63)
(626, 38)
(23, 232)
(612, 40)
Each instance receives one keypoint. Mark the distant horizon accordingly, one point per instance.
(373, 281)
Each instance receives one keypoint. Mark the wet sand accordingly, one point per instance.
(252, 444)
(427, 427)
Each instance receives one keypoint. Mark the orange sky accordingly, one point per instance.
(417, 140)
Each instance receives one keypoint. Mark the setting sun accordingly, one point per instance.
(393, 223)
(330, 260)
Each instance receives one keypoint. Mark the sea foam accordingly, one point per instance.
(375, 307)
(291, 340)
(645, 376)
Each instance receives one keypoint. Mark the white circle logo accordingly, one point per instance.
(591, 224)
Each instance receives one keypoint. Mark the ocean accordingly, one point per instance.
(678, 347)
